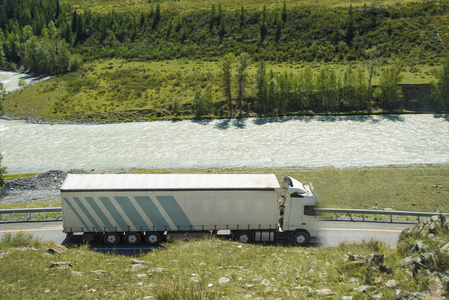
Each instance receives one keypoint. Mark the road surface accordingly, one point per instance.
(331, 233)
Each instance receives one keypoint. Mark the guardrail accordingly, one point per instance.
(335, 211)
(363, 212)
(29, 211)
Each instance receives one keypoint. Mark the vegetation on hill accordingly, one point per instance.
(52, 37)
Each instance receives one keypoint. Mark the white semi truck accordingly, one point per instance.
(146, 208)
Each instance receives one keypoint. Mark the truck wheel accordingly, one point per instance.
(300, 238)
(111, 239)
(245, 237)
(132, 238)
(153, 238)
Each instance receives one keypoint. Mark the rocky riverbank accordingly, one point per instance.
(44, 186)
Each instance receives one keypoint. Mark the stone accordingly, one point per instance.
(445, 248)
(99, 272)
(325, 292)
(374, 260)
(137, 267)
(53, 251)
(363, 288)
(391, 283)
(77, 273)
(385, 269)
(61, 265)
(149, 298)
(418, 246)
(223, 280)
(138, 262)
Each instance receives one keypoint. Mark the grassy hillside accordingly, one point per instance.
(121, 90)
(212, 268)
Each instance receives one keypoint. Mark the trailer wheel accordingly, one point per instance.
(244, 237)
(132, 238)
(301, 238)
(153, 238)
(111, 239)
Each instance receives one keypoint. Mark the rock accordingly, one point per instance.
(159, 270)
(141, 275)
(325, 292)
(438, 186)
(385, 269)
(224, 280)
(77, 273)
(418, 246)
(3, 253)
(61, 265)
(352, 257)
(195, 279)
(99, 272)
(347, 298)
(53, 251)
(444, 249)
(140, 262)
(391, 283)
(374, 260)
(363, 288)
(137, 267)
(406, 261)
(149, 298)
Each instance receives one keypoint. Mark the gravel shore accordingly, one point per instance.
(36, 188)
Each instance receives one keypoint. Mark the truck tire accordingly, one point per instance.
(153, 238)
(244, 237)
(300, 238)
(111, 239)
(132, 238)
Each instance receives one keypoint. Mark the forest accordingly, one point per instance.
(52, 37)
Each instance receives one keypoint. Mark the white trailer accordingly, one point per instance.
(131, 208)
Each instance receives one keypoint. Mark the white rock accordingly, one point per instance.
(224, 280)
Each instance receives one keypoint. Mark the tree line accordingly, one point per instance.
(327, 90)
(44, 35)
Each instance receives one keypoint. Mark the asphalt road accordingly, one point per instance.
(331, 232)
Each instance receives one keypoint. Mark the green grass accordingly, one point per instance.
(105, 6)
(197, 269)
(120, 90)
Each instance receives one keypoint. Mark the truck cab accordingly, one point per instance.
(298, 211)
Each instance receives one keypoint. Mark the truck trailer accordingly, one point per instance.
(148, 208)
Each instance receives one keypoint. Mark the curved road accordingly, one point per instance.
(332, 233)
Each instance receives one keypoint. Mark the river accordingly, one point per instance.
(253, 142)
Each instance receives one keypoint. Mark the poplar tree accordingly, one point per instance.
(243, 61)
(226, 78)
(440, 88)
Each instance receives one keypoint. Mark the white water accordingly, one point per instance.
(268, 142)
(10, 80)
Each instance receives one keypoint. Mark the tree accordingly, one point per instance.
(2, 171)
(284, 12)
(176, 105)
(243, 61)
(260, 87)
(2, 94)
(226, 78)
(440, 88)
(263, 30)
(389, 92)
(350, 32)
(203, 101)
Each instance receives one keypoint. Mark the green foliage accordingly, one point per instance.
(176, 105)
(440, 88)
(2, 172)
(241, 75)
(389, 92)
(226, 78)
(18, 240)
(203, 101)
